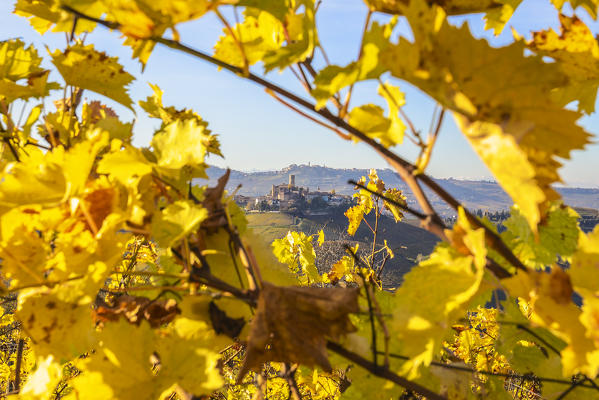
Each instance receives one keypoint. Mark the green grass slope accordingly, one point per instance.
(407, 240)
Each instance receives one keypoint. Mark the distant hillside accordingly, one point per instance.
(475, 194)
(407, 241)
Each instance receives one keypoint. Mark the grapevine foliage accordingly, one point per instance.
(125, 275)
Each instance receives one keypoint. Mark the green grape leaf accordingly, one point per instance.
(557, 236)
(87, 68)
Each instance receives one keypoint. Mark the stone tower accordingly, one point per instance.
(291, 180)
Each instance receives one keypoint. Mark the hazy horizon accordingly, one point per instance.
(257, 133)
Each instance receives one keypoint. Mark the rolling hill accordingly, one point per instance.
(407, 240)
(485, 195)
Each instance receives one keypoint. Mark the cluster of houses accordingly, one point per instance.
(286, 196)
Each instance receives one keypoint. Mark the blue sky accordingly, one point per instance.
(258, 133)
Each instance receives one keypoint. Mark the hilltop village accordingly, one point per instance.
(292, 198)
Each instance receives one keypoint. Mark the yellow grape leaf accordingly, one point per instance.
(549, 297)
(146, 18)
(497, 17)
(501, 102)
(364, 384)
(142, 19)
(354, 215)
(398, 197)
(333, 78)
(23, 251)
(426, 306)
(270, 269)
(31, 120)
(297, 252)
(395, 99)
(577, 53)
(589, 5)
(42, 14)
(97, 115)
(258, 34)
(584, 267)
(126, 166)
(365, 204)
(276, 8)
(139, 362)
(370, 120)
(194, 320)
(452, 7)
(87, 68)
(18, 63)
(48, 178)
(211, 321)
(343, 269)
(155, 109)
(46, 14)
(41, 382)
(176, 221)
(55, 327)
(37, 87)
(320, 237)
(182, 143)
(302, 38)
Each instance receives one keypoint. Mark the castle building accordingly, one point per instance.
(288, 192)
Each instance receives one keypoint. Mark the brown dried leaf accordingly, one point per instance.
(97, 111)
(214, 204)
(292, 325)
(560, 286)
(224, 324)
(135, 309)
